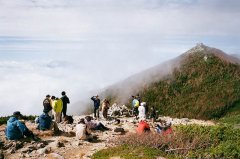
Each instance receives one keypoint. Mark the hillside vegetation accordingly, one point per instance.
(205, 86)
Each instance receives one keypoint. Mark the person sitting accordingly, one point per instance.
(45, 122)
(82, 131)
(16, 129)
(93, 125)
(165, 130)
(143, 127)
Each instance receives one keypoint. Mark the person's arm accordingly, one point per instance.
(93, 98)
(37, 121)
(68, 101)
(22, 127)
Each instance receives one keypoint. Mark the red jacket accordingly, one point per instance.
(143, 127)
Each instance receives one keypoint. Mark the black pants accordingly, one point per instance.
(64, 111)
(96, 112)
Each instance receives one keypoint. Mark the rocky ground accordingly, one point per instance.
(65, 145)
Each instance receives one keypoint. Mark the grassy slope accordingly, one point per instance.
(199, 89)
(193, 141)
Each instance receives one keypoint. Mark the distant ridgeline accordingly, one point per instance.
(205, 85)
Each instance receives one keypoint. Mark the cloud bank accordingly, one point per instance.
(84, 45)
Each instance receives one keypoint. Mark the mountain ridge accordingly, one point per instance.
(201, 68)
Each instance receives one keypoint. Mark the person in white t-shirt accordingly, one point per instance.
(82, 131)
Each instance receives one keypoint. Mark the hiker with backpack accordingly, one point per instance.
(105, 107)
(65, 101)
(96, 103)
(47, 105)
(17, 129)
(45, 122)
(135, 104)
(143, 127)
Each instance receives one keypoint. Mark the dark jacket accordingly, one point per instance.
(65, 101)
(96, 102)
(44, 121)
(15, 129)
(47, 105)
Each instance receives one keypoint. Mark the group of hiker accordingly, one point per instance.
(53, 108)
(56, 107)
(55, 111)
(141, 110)
(105, 106)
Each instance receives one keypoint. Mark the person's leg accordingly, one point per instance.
(98, 113)
(101, 126)
(54, 126)
(64, 111)
(104, 114)
(58, 117)
(95, 110)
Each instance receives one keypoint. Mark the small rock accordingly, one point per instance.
(40, 145)
(44, 150)
(59, 144)
(11, 150)
(118, 129)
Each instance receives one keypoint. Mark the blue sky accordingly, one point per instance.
(84, 45)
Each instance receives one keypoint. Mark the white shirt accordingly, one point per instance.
(81, 130)
(142, 112)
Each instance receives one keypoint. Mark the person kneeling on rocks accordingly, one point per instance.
(16, 129)
(143, 127)
(93, 125)
(82, 131)
(45, 122)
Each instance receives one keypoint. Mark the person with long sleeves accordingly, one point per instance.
(16, 129)
(65, 101)
(96, 103)
(57, 107)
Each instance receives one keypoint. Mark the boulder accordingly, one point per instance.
(118, 129)
(45, 150)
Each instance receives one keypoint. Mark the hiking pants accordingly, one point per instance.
(96, 112)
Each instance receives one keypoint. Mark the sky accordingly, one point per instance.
(81, 46)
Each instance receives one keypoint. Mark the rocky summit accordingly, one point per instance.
(65, 145)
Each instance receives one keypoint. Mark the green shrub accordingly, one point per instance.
(192, 141)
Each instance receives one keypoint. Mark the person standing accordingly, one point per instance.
(135, 104)
(105, 107)
(65, 101)
(142, 111)
(96, 101)
(47, 105)
(57, 107)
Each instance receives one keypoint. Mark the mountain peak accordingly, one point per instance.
(200, 47)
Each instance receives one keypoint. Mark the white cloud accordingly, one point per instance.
(47, 46)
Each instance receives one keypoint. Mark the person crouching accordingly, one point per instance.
(45, 122)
